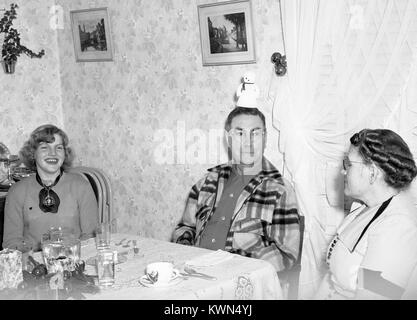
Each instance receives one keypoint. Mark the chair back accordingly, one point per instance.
(107, 215)
(2, 204)
(102, 190)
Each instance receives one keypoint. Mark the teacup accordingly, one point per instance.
(161, 272)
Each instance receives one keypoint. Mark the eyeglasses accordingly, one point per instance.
(347, 163)
(238, 133)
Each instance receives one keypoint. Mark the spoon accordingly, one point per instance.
(127, 244)
(192, 272)
(120, 243)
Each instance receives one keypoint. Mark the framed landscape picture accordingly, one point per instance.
(226, 31)
(92, 35)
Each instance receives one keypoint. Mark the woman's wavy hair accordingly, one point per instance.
(44, 133)
(389, 152)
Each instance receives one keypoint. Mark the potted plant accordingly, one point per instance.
(12, 48)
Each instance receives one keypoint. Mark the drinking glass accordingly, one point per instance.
(103, 236)
(8, 160)
(105, 267)
(61, 250)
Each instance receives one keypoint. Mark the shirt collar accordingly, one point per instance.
(268, 170)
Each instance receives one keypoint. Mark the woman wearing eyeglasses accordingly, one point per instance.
(52, 197)
(374, 252)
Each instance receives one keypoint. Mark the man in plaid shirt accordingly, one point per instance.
(244, 206)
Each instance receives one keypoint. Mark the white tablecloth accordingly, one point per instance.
(237, 278)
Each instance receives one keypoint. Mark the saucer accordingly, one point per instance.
(144, 280)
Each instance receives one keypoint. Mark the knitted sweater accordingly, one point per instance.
(25, 221)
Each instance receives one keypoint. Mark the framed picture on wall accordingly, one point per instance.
(92, 35)
(226, 32)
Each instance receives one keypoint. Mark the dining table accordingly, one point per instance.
(236, 277)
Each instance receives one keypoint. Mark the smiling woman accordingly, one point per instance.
(51, 198)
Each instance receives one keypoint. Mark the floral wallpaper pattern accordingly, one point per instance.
(146, 117)
(155, 97)
(32, 95)
(115, 111)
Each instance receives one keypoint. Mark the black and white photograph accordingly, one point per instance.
(92, 37)
(206, 158)
(226, 33)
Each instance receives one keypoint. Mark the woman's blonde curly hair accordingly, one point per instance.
(44, 133)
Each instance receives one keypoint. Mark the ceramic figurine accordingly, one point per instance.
(247, 92)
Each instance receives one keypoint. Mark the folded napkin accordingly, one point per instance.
(210, 259)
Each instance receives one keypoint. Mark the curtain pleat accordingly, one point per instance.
(351, 65)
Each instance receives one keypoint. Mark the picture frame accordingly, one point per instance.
(92, 35)
(226, 33)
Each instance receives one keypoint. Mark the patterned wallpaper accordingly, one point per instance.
(155, 93)
(32, 95)
(149, 118)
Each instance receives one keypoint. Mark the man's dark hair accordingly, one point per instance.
(246, 111)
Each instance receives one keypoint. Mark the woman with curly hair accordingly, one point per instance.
(374, 252)
(52, 197)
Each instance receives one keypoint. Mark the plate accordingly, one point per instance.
(147, 283)
(120, 259)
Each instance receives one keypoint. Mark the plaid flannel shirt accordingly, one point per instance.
(265, 222)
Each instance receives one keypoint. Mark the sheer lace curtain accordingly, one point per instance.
(351, 65)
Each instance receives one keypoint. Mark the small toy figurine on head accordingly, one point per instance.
(247, 92)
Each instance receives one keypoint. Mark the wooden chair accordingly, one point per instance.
(108, 200)
(102, 190)
(2, 204)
